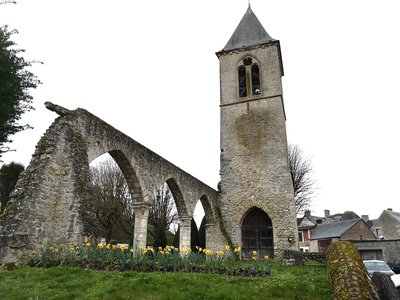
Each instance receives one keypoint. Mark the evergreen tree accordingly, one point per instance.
(15, 80)
(9, 174)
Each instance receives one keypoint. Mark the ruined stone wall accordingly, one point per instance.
(46, 204)
(49, 201)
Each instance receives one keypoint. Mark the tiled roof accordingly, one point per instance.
(394, 214)
(332, 230)
(248, 33)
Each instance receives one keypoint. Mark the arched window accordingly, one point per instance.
(249, 78)
(255, 80)
(242, 81)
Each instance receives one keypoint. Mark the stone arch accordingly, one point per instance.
(129, 174)
(257, 233)
(49, 202)
(178, 197)
(248, 72)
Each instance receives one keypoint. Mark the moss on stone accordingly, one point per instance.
(348, 274)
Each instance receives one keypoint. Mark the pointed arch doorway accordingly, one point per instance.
(257, 234)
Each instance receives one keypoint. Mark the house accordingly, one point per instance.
(305, 225)
(388, 225)
(324, 234)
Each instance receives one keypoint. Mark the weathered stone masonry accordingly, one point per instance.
(48, 203)
(254, 207)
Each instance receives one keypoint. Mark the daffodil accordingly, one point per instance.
(254, 253)
(266, 257)
(131, 250)
(227, 248)
(100, 246)
(88, 244)
(237, 250)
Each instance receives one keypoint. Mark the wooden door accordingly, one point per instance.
(257, 234)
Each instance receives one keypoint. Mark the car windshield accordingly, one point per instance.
(376, 266)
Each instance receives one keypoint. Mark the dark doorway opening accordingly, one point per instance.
(257, 234)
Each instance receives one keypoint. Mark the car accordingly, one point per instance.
(377, 266)
(380, 266)
(394, 265)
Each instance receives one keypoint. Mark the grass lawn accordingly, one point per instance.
(285, 282)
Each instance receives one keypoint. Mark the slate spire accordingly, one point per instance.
(248, 33)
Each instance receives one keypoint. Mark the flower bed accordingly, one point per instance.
(168, 259)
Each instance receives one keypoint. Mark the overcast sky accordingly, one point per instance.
(149, 69)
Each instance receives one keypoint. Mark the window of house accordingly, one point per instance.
(249, 77)
(301, 239)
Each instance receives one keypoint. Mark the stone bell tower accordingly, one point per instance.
(256, 188)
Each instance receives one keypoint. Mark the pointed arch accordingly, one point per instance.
(249, 80)
(129, 174)
(178, 196)
(257, 233)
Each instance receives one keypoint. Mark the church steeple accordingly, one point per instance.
(256, 191)
(248, 33)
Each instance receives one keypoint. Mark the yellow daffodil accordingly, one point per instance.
(266, 257)
(237, 250)
(227, 248)
(220, 252)
(108, 246)
(131, 251)
(100, 246)
(88, 244)
(254, 253)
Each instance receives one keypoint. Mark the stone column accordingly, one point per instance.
(141, 218)
(184, 233)
(213, 240)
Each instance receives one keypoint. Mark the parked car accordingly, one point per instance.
(394, 265)
(377, 266)
(380, 266)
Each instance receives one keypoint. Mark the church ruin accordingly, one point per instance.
(253, 207)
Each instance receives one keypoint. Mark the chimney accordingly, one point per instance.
(365, 218)
(307, 213)
(327, 213)
(389, 209)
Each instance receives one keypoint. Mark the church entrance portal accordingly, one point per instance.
(257, 234)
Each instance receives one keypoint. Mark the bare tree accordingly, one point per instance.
(303, 184)
(112, 202)
(162, 215)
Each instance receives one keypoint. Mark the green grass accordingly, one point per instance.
(286, 282)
